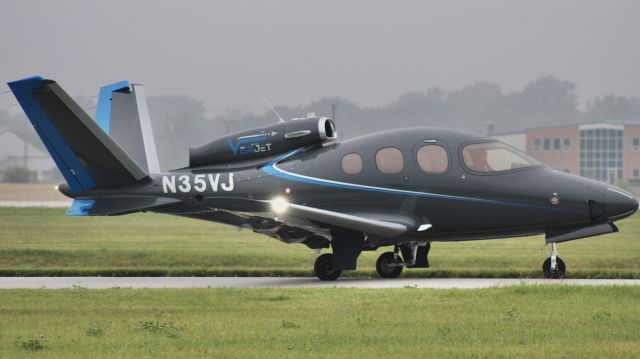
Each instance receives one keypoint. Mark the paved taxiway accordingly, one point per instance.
(288, 282)
(49, 204)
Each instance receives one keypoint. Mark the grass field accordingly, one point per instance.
(513, 322)
(43, 241)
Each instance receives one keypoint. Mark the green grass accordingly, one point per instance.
(43, 241)
(513, 322)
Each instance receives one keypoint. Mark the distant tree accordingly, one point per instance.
(549, 99)
(543, 102)
(19, 174)
(178, 122)
(614, 108)
(469, 107)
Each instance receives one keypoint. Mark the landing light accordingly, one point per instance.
(279, 205)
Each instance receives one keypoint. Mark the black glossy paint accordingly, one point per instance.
(459, 204)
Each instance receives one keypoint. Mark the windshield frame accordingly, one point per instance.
(495, 173)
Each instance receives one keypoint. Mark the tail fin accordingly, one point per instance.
(122, 113)
(87, 157)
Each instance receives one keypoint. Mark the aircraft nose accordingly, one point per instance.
(619, 203)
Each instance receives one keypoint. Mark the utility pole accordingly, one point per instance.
(169, 134)
(25, 147)
(25, 161)
(333, 111)
(227, 124)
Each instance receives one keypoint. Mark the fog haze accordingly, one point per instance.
(295, 52)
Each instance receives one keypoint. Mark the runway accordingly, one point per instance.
(48, 204)
(288, 282)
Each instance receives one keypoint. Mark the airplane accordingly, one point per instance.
(295, 182)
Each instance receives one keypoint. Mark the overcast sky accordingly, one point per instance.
(225, 53)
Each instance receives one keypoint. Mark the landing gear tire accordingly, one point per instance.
(325, 269)
(385, 266)
(556, 273)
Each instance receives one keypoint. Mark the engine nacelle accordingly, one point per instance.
(263, 141)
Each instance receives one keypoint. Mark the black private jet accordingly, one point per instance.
(295, 182)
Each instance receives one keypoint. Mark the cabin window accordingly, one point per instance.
(352, 163)
(389, 160)
(433, 159)
(494, 157)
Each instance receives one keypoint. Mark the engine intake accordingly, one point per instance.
(263, 142)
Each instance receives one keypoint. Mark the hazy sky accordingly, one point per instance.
(225, 53)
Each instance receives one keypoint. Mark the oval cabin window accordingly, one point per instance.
(433, 159)
(389, 160)
(352, 163)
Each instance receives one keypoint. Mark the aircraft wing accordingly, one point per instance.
(368, 225)
(375, 224)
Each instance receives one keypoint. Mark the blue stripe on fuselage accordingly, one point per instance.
(272, 169)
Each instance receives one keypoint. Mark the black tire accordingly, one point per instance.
(561, 269)
(385, 270)
(324, 268)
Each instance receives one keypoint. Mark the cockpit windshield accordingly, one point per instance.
(494, 157)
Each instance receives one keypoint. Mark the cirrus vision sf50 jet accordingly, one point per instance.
(295, 182)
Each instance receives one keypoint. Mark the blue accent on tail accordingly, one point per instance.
(74, 173)
(103, 110)
(81, 207)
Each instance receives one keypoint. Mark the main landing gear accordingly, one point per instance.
(554, 266)
(325, 268)
(329, 266)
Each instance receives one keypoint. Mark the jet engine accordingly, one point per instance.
(263, 142)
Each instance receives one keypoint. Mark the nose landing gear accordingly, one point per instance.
(389, 265)
(414, 255)
(554, 267)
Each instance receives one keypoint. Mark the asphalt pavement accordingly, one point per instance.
(288, 282)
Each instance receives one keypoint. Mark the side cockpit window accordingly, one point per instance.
(433, 159)
(389, 160)
(494, 157)
(352, 163)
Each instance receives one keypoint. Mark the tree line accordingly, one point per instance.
(181, 121)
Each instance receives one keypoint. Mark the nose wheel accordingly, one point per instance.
(554, 267)
(389, 265)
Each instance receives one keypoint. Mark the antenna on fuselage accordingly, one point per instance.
(271, 107)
